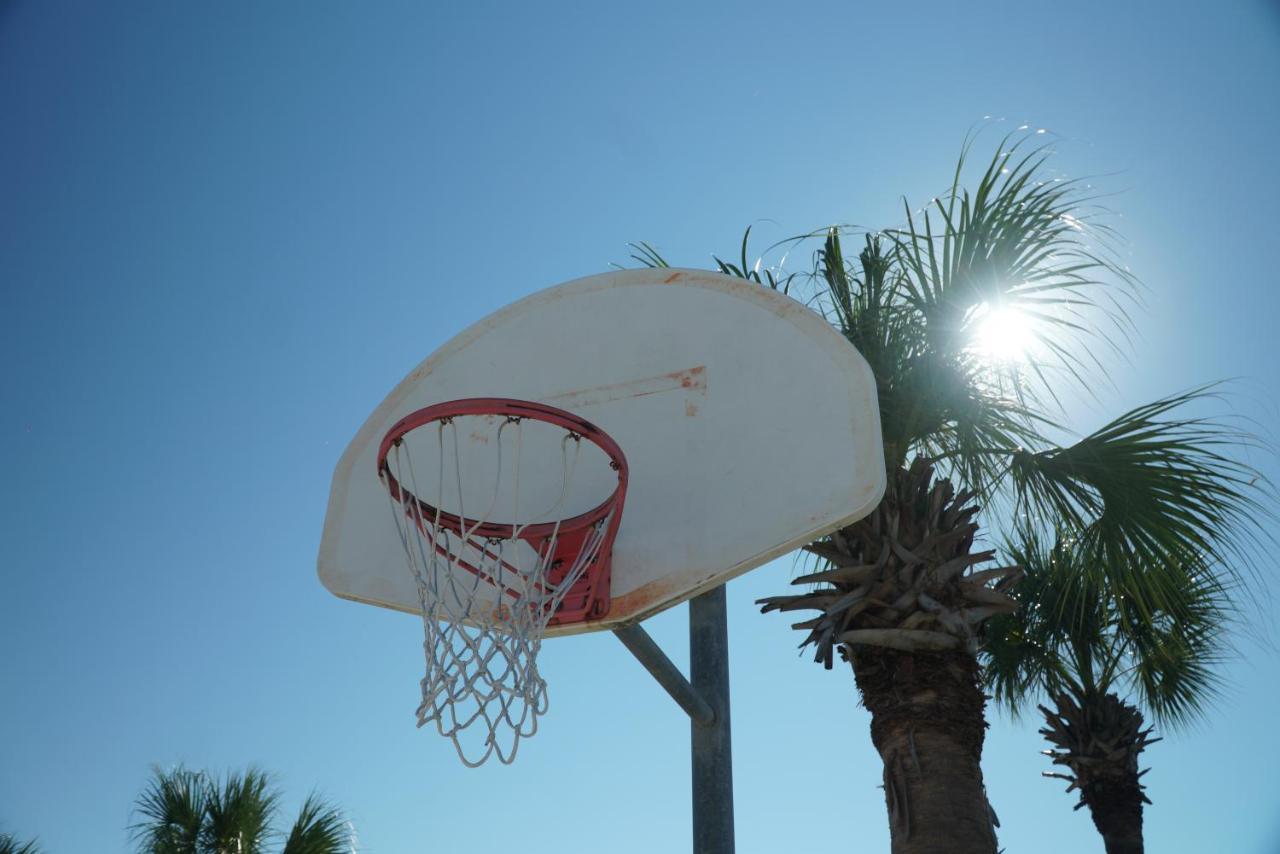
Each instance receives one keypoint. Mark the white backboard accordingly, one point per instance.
(749, 425)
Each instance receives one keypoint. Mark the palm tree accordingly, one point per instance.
(237, 814)
(173, 809)
(1099, 663)
(1156, 501)
(903, 595)
(189, 812)
(9, 844)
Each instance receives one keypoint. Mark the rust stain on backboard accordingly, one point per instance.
(692, 378)
(647, 597)
(689, 379)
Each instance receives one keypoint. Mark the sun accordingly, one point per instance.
(1003, 334)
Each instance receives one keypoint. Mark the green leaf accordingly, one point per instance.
(10, 844)
(172, 811)
(1073, 632)
(1153, 488)
(320, 828)
(646, 255)
(1021, 241)
(238, 813)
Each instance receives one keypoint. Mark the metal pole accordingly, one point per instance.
(668, 675)
(712, 746)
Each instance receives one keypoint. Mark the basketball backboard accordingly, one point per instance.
(749, 425)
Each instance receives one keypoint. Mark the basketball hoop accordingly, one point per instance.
(506, 511)
(490, 583)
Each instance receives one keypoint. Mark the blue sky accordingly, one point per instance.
(227, 230)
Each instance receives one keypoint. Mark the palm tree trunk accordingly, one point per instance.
(1098, 738)
(1117, 813)
(1115, 803)
(927, 723)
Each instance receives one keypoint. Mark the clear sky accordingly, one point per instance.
(226, 230)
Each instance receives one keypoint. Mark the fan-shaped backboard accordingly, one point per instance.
(749, 425)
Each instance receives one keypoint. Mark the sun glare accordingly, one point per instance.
(1004, 335)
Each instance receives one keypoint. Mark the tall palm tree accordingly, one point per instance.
(903, 595)
(1099, 665)
(190, 812)
(10, 844)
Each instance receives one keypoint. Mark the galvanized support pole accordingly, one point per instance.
(712, 745)
(705, 698)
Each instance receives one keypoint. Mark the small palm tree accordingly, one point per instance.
(173, 809)
(189, 812)
(10, 844)
(903, 595)
(1099, 663)
(237, 814)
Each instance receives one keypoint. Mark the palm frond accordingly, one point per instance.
(172, 810)
(646, 255)
(1019, 240)
(1073, 633)
(1176, 656)
(864, 303)
(933, 404)
(239, 813)
(320, 828)
(974, 426)
(1052, 640)
(10, 844)
(1153, 488)
(754, 272)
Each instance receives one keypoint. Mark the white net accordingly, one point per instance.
(486, 600)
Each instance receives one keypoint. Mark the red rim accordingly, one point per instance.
(518, 409)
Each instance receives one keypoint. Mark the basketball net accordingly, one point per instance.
(487, 590)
